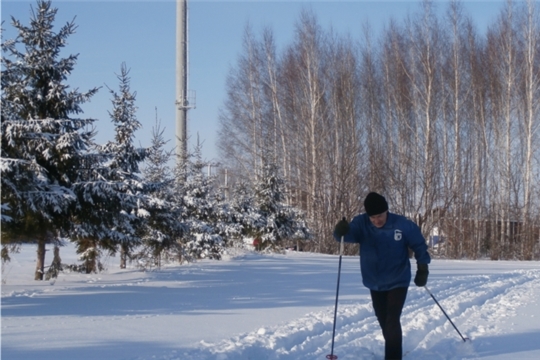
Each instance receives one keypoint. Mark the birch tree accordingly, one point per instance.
(530, 93)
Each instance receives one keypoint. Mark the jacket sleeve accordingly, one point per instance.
(417, 243)
(353, 236)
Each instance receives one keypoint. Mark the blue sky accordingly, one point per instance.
(143, 35)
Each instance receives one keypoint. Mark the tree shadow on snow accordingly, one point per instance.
(200, 288)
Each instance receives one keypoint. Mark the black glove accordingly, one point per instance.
(342, 228)
(421, 275)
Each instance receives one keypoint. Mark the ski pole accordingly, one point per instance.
(444, 312)
(332, 356)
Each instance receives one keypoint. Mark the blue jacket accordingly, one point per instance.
(384, 255)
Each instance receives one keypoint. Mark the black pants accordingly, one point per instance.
(388, 306)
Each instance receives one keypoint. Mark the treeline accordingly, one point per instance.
(59, 186)
(439, 116)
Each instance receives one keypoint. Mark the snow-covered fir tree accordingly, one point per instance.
(244, 212)
(44, 149)
(228, 222)
(112, 199)
(202, 240)
(157, 168)
(279, 221)
(162, 229)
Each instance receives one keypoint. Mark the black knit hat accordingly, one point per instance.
(375, 204)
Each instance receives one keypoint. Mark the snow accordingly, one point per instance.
(253, 306)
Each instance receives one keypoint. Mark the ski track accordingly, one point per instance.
(474, 303)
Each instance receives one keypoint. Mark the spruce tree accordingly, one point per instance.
(162, 229)
(44, 149)
(278, 221)
(113, 197)
(202, 240)
(245, 216)
(228, 223)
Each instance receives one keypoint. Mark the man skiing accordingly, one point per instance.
(385, 239)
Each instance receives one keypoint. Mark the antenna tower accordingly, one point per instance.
(185, 99)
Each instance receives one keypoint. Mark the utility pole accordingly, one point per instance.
(184, 100)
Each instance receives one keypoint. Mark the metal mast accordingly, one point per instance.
(183, 103)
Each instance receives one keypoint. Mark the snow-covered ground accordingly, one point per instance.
(263, 307)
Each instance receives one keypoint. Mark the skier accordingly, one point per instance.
(385, 239)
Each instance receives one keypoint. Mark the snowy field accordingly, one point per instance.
(263, 307)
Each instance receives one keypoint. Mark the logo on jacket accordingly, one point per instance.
(398, 235)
